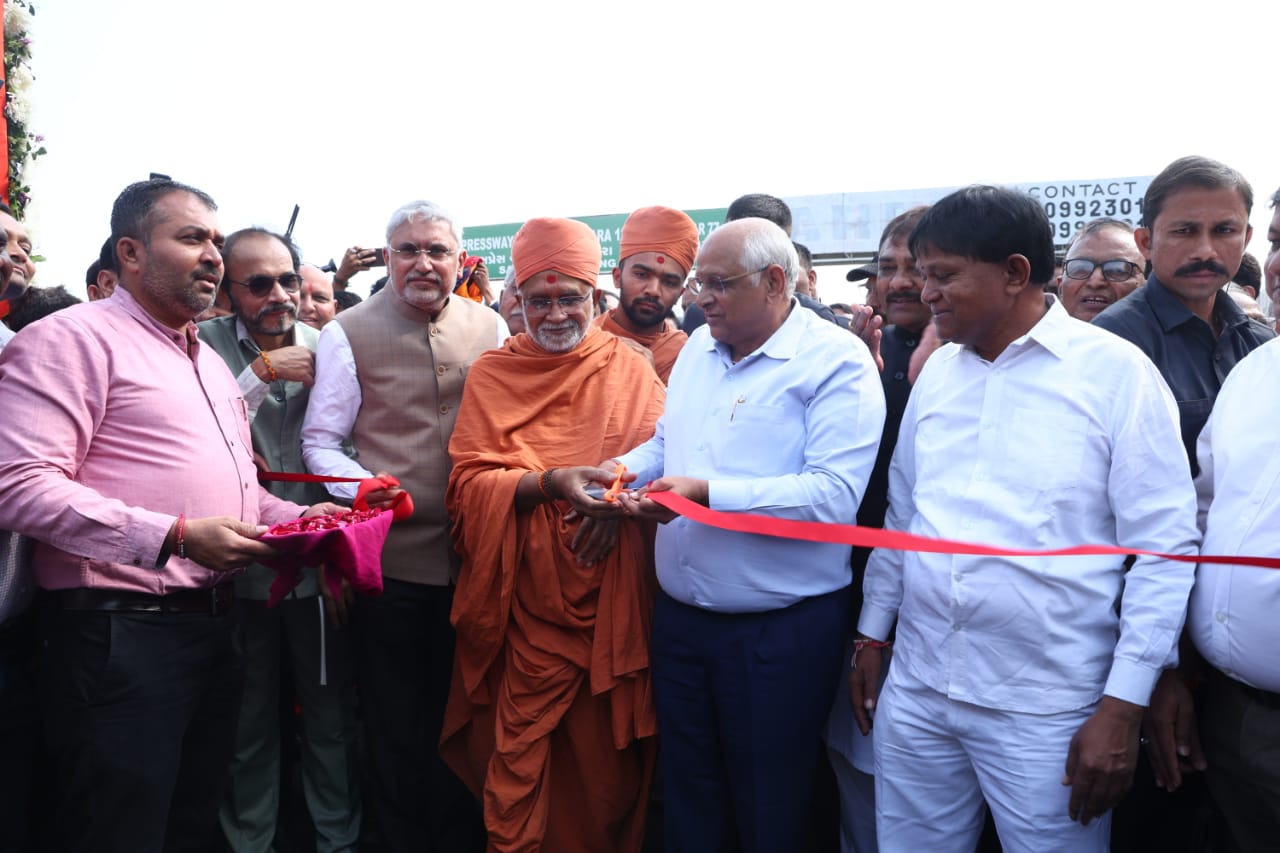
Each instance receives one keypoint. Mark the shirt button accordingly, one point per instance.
(444, 410)
(912, 342)
(246, 487)
(1221, 617)
(434, 331)
(956, 577)
(899, 375)
(440, 370)
(137, 561)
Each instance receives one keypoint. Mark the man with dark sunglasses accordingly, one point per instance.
(273, 356)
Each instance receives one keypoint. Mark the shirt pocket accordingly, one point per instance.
(1045, 450)
(761, 440)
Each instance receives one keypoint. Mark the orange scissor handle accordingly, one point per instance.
(612, 494)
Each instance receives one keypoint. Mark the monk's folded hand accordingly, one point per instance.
(594, 539)
(1101, 759)
(570, 485)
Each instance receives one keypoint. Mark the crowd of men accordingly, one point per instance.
(578, 645)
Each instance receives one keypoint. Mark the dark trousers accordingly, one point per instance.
(404, 647)
(1240, 733)
(140, 718)
(741, 700)
(20, 734)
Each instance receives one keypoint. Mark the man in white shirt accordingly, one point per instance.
(1232, 614)
(771, 410)
(1029, 430)
(389, 379)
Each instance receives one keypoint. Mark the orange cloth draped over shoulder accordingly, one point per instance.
(665, 344)
(551, 689)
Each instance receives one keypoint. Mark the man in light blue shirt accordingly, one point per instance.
(770, 410)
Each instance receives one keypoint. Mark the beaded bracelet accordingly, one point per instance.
(266, 362)
(544, 483)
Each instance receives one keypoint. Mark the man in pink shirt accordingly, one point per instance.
(125, 452)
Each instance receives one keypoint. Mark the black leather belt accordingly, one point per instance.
(214, 601)
(1263, 697)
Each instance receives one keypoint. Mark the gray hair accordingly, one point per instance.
(1102, 223)
(424, 211)
(763, 245)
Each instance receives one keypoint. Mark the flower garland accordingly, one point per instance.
(24, 146)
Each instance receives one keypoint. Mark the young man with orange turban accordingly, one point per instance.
(658, 248)
(550, 717)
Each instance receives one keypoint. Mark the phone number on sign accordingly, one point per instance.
(1118, 208)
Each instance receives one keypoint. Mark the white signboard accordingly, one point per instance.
(850, 223)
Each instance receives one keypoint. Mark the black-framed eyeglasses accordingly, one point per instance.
(720, 285)
(1114, 270)
(539, 306)
(411, 252)
(261, 285)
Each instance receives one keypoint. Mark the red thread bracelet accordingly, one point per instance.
(182, 529)
(859, 645)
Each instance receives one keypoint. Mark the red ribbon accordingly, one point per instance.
(401, 504)
(871, 537)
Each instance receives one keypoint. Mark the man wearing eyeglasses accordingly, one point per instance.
(658, 247)
(389, 379)
(273, 357)
(770, 410)
(551, 720)
(1101, 267)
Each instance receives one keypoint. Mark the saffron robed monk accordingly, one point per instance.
(550, 716)
(658, 247)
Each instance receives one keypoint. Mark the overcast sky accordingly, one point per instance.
(501, 111)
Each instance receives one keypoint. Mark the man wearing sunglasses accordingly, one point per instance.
(389, 380)
(273, 357)
(1102, 266)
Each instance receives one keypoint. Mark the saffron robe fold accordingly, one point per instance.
(664, 344)
(551, 689)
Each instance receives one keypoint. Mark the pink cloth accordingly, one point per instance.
(110, 429)
(353, 551)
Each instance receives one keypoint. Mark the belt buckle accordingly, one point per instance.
(222, 598)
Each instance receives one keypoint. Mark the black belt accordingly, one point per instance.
(214, 601)
(1263, 697)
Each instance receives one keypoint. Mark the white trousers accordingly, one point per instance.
(937, 759)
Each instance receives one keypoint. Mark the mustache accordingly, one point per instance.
(903, 297)
(1203, 266)
(287, 307)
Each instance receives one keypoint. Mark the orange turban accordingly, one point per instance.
(566, 246)
(661, 229)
